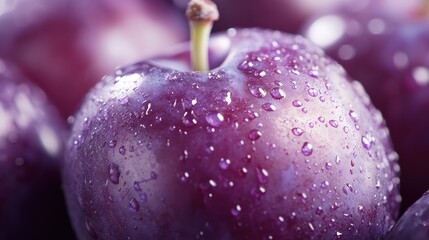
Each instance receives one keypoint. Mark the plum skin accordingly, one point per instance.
(276, 142)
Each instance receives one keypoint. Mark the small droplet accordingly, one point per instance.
(307, 149)
(215, 119)
(321, 119)
(277, 93)
(134, 205)
(333, 123)
(257, 91)
(328, 166)
(236, 210)
(262, 175)
(254, 135)
(312, 92)
(313, 73)
(324, 184)
(297, 103)
(297, 131)
(367, 143)
(354, 116)
(268, 107)
(114, 173)
(189, 119)
(113, 143)
(122, 150)
(346, 129)
(90, 229)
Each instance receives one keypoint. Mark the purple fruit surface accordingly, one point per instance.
(31, 147)
(275, 143)
(71, 44)
(387, 53)
(413, 224)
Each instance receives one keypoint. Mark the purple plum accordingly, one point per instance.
(32, 138)
(274, 142)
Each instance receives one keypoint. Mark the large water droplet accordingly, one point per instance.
(354, 116)
(297, 131)
(134, 205)
(113, 143)
(257, 91)
(114, 173)
(312, 92)
(268, 107)
(277, 93)
(333, 123)
(307, 149)
(297, 103)
(215, 119)
(122, 150)
(254, 134)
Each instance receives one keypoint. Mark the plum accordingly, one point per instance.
(276, 142)
(32, 137)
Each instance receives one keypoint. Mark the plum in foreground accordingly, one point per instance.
(277, 142)
(31, 147)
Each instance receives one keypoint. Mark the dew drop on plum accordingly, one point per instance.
(297, 103)
(297, 131)
(333, 123)
(122, 150)
(307, 149)
(312, 92)
(268, 107)
(254, 134)
(257, 91)
(215, 119)
(134, 205)
(277, 93)
(366, 142)
(114, 173)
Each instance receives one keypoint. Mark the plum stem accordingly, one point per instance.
(201, 14)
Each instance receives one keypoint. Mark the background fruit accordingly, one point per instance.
(31, 146)
(386, 50)
(66, 46)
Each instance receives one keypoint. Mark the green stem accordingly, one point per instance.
(200, 35)
(201, 14)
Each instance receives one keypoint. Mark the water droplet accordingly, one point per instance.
(346, 129)
(312, 92)
(328, 166)
(212, 183)
(224, 163)
(333, 123)
(322, 99)
(277, 93)
(321, 119)
(114, 173)
(337, 160)
(254, 135)
(324, 184)
(189, 119)
(378, 184)
(90, 229)
(297, 103)
(367, 143)
(297, 131)
(122, 150)
(134, 205)
(215, 119)
(313, 73)
(268, 107)
(257, 91)
(262, 73)
(354, 116)
(236, 210)
(262, 175)
(307, 149)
